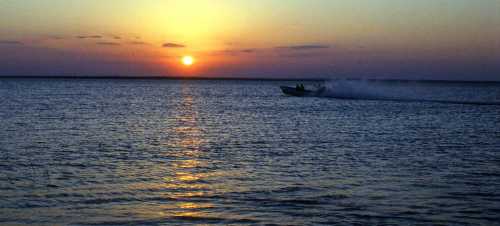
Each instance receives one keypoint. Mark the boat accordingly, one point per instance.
(293, 91)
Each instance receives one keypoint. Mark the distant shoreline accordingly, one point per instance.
(235, 79)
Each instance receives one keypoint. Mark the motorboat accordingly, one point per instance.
(301, 92)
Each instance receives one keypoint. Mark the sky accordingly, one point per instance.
(395, 39)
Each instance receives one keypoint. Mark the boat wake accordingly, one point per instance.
(402, 91)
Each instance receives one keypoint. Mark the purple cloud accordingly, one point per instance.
(173, 45)
(248, 50)
(55, 37)
(89, 36)
(10, 42)
(108, 43)
(138, 43)
(19, 60)
(236, 51)
(303, 47)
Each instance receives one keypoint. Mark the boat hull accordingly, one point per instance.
(300, 93)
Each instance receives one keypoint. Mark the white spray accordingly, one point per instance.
(396, 90)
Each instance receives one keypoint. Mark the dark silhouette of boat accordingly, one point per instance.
(301, 92)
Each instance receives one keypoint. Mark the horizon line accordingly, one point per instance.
(124, 77)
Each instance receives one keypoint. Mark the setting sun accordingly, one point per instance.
(187, 60)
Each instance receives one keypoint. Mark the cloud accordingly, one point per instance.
(173, 45)
(55, 37)
(236, 51)
(108, 43)
(89, 36)
(138, 43)
(303, 47)
(45, 61)
(304, 54)
(248, 50)
(10, 42)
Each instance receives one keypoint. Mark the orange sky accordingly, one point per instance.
(260, 38)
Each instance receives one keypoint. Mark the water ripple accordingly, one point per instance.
(105, 152)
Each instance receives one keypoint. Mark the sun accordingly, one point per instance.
(187, 60)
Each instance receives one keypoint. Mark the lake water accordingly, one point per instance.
(172, 152)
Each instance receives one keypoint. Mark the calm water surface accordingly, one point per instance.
(162, 152)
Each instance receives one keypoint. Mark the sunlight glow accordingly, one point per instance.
(187, 60)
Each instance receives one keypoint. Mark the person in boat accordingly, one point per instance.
(300, 87)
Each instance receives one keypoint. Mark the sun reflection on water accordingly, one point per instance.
(183, 186)
(189, 163)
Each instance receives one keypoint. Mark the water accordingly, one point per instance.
(163, 152)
